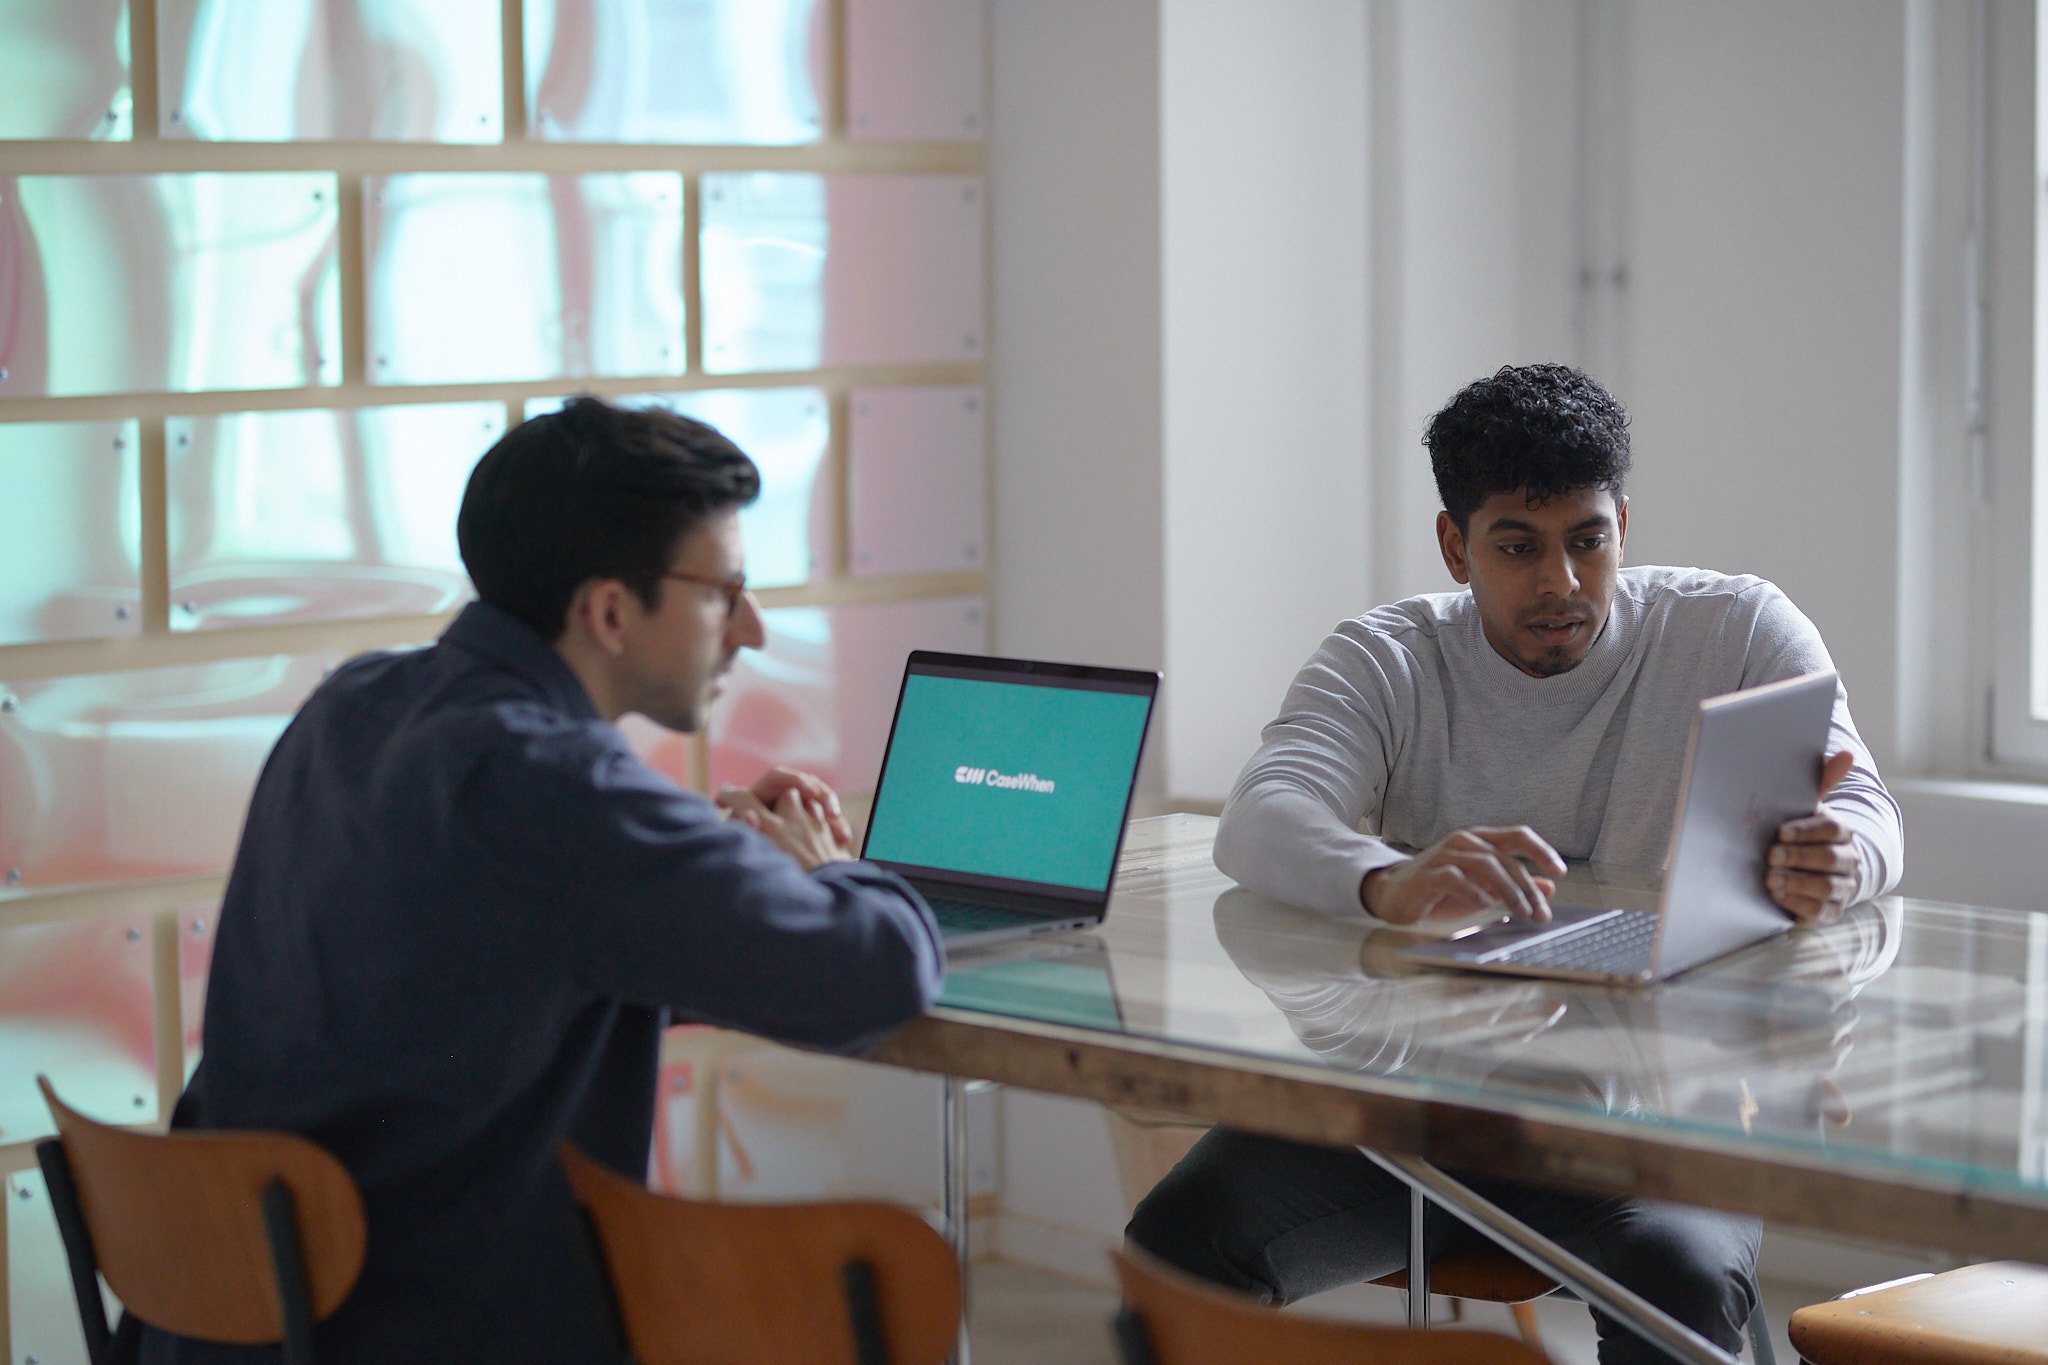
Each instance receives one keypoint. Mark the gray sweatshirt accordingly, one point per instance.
(1408, 721)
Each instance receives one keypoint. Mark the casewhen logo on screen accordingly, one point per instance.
(989, 777)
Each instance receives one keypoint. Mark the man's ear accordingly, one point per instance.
(1621, 523)
(598, 613)
(1451, 541)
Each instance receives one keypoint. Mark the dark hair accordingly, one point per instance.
(1536, 429)
(592, 491)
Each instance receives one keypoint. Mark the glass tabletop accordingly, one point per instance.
(1912, 1037)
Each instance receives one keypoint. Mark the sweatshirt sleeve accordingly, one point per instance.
(1290, 827)
(1785, 644)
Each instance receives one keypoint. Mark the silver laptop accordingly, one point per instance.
(1752, 763)
(1005, 788)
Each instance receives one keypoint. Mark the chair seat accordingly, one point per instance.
(1991, 1314)
(1484, 1276)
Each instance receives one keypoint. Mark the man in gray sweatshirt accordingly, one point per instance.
(1541, 714)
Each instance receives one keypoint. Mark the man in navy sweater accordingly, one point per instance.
(462, 910)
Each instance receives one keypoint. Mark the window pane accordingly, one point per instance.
(820, 696)
(65, 70)
(138, 776)
(803, 270)
(916, 466)
(302, 516)
(70, 530)
(306, 70)
(787, 529)
(720, 71)
(176, 283)
(75, 1005)
(475, 278)
(914, 68)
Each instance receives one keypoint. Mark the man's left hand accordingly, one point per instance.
(1814, 865)
(773, 785)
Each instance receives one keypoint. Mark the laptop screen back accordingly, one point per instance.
(1006, 777)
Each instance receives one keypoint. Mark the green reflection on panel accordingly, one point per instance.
(70, 523)
(64, 70)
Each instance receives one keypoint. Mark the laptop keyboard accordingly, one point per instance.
(966, 917)
(1619, 944)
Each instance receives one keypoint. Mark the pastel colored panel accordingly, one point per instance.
(667, 752)
(323, 70)
(914, 69)
(42, 1315)
(476, 278)
(174, 283)
(788, 529)
(195, 967)
(802, 270)
(75, 1005)
(137, 776)
(319, 515)
(672, 71)
(820, 695)
(70, 531)
(65, 70)
(917, 480)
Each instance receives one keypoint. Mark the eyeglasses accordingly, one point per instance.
(734, 588)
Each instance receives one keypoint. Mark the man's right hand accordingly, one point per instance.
(1468, 870)
(803, 829)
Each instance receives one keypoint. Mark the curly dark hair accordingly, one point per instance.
(592, 491)
(1539, 430)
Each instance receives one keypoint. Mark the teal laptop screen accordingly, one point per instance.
(1003, 779)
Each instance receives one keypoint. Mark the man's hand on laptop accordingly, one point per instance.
(1467, 871)
(1814, 865)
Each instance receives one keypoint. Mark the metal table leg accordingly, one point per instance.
(1594, 1286)
(953, 1146)
(1418, 1259)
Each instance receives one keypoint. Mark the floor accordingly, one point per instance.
(1024, 1316)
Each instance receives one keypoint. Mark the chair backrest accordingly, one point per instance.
(1184, 1322)
(177, 1227)
(764, 1284)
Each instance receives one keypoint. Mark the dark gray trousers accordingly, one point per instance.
(1284, 1220)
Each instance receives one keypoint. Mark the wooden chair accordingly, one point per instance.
(237, 1237)
(1991, 1314)
(1172, 1319)
(769, 1284)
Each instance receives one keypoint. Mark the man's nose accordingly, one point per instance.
(1556, 574)
(746, 629)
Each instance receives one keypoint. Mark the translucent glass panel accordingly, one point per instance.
(916, 465)
(64, 67)
(475, 278)
(305, 70)
(41, 1312)
(183, 283)
(137, 776)
(802, 270)
(787, 530)
(75, 1005)
(722, 71)
(820, 696)
(302, 516)
(70, 529)
(914, 68)
(195, 966)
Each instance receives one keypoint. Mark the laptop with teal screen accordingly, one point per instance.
(1004, 790)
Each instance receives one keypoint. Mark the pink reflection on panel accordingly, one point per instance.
(70, 531)
(65, 70)
(76, 1005)
(801, 270)
(916, 462)
(476, 277)
(137, 776)
(319, 514)
(820, 696)
(914, 68)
